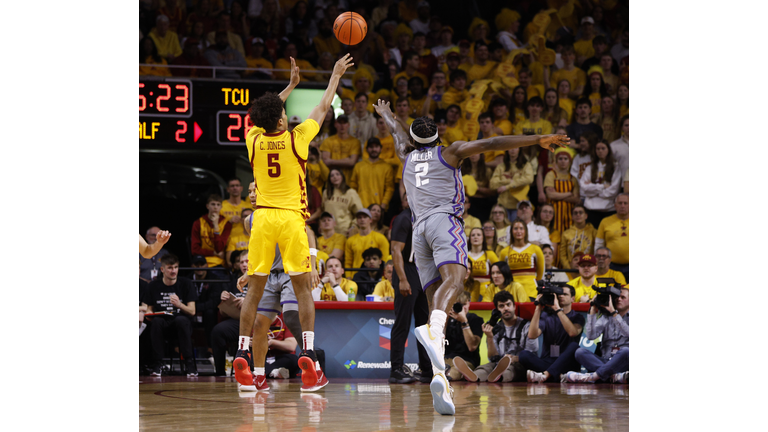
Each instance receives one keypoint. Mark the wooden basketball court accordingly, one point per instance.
(210, 403)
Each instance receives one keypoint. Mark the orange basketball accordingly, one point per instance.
(350, 28)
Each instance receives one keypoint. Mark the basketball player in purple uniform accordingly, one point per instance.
(432, 179)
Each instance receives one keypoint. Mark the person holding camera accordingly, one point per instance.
(561, 327)
(613, 324)
(464, 331)
(505, 339)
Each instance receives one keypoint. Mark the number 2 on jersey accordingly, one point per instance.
(424, 166)
(272, 164)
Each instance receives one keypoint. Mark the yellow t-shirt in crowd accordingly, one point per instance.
(317, 173)
(527, 127)
(477, 72)
(374, 182)
(615, 275)
(471, 222)
(527, 265)
(584, 48)
(384, 289)
(582, 289)
(277, 160)
(327, 245)
(228, 210)
(615, 232)
(505, 125)
(341, 149)
(357, 244)
(576, 77)
(453, 97)
(346, 285)
(343, 207)
(515, 288)
(568, 104)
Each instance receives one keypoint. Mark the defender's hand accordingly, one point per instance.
(549, 140)
(342, 65)
(382, 108)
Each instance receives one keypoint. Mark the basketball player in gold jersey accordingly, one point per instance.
(278, 158)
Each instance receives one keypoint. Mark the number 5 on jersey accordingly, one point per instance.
(424, 166)
(274, 166)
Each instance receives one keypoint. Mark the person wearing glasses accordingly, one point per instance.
(603, 256)
(492, 238)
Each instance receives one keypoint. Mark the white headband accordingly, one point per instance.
(422, 140)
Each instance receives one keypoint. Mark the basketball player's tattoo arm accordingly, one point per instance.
(396, 128)
(465, 149)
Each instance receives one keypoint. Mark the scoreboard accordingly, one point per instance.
(185, 114)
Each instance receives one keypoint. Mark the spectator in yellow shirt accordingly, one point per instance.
(583, 283)
(482, 68)
(456, 92)
(512, 180)
(575, 76)
(365, 238)
(613, 233)
(501, 123)
(330, 241)
(519, 106)
(411, 63)
(491, 237)
(403, 110)
(373, 178)
(534, 124)
(434, 94)
(341, 151)
(603, 256)
(340, 200)
(148, 54)
(502, 280)
(166, 41)
(583, 47)
(565, 102)
(579, 237)
(525, 76)
(305, 68)
(553, 112)
(334, 286)
(256, 60)
(224, 24)
(452, 125)
(326, 41)
(384, 288)
(416, 98)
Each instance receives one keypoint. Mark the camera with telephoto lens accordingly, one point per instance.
(495, 317)
(611, 290)
(457, 307)
(548, 290)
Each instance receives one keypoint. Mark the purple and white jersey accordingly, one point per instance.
(432, 185)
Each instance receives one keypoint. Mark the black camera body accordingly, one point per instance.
(457, 307)
(495, 317)
(548, 290)
(612, 290)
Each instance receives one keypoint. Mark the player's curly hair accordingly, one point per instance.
(424, 127)
(269, 111)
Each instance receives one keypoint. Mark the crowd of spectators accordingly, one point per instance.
(551, 67)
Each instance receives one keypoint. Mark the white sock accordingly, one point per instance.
(437, 322)
(245, 342)
(309, 340)
(258, 371)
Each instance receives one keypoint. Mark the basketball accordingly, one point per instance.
(350, 28)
